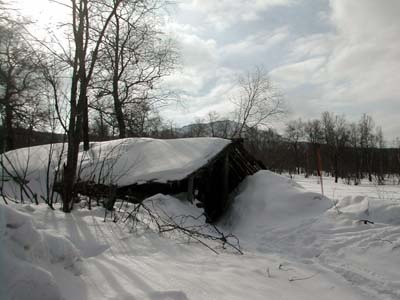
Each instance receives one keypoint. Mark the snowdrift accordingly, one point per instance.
(273, 214)
(120, 162)
(385, 211)
(24, 254)
(268, 207)
(296, 246)
(267, 200)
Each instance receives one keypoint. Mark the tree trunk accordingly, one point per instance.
(9, 134)
(119, 115)
(296, 158)
(78, 119)
(336, 167)
(85, 125)
(115, 82)
(74, 139)
(69, 171)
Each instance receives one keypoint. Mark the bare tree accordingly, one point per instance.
(98, 37)
(294, 133)
(366, 127)
(90, 21)
(134, 57)
(168, 128)
(19, 82)
(336, 135)
(314, 132)
(315, 136)
(198, 128)
(397, 157)
(257, 101)
(212, 118)
(100, 129)
(380, 157)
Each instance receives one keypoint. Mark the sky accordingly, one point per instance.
(323, 55)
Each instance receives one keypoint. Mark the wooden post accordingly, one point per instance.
(319, 168)
(190, 192)
(225, 188)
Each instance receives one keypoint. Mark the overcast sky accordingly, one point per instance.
(340, 55)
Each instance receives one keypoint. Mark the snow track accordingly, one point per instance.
(367, 256)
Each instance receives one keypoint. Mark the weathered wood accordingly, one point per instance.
(190, 191)
(225, 185)
(214, 182)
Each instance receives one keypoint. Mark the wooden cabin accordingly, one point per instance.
(210, 184)
(209, 180)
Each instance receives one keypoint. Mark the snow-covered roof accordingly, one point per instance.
(125, 161)
(138, 160)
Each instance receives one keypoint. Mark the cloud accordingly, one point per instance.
(208, 73)
(203, 81)
(197, 106)
(352, 69)
(337, 55)
(259, 41)
(359, 21)
(224, 13)
(198, 57)
(295, 74)
(314, 45)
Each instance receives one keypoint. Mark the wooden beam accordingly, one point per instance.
(190, 192)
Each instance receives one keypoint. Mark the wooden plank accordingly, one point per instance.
(190, 192)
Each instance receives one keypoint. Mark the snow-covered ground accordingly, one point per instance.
(297, 245)
(367, 256)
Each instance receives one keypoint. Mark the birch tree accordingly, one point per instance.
(257, 101)
(134, 57)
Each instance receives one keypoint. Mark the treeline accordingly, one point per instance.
(351, 151)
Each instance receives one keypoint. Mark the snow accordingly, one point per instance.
(24, 253)
(137, 160)
(327, 234)
(120, 162)
(123, 265)
(273, 200)
(297, 245)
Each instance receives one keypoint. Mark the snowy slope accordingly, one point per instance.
(273, 214)
(26, 252)
(297, 246)
(267, 199)
(122, 265)
(120, 162)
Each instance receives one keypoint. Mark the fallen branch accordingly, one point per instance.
(147, 213)
(301, 278)
(365, 221)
